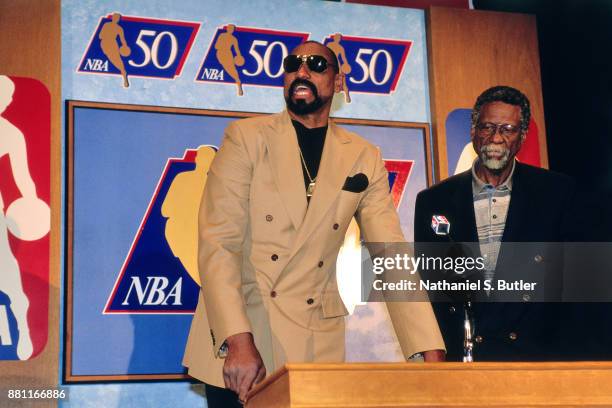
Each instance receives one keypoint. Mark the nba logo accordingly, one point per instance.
(160, 272)
(25, 217)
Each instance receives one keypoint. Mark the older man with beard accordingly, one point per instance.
(279, 197)
(501, 201)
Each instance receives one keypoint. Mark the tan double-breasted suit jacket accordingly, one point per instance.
(267, 258)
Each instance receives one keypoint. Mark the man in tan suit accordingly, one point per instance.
(269, 242)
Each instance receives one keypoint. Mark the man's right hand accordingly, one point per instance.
(243, 365)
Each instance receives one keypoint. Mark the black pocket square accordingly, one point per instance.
(356, 184)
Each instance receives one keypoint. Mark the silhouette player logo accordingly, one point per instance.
(24, 220)
(181, 207)
(108, 42)
(344, 65)
(225, 43)
(160, 272)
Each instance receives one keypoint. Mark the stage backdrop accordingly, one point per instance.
(124, 319)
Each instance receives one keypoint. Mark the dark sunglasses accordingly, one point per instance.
(315, 63)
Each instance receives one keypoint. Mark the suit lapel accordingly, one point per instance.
(286, 167)
(338, 157)
(519, 202)
(465, 229)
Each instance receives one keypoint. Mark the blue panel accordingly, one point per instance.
(458, 125)
(119, 159)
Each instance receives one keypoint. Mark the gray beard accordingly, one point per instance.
(494, 164)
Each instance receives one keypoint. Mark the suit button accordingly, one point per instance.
(512, 336)
(336, 226)
(273, 294)
(538, 258)
(274, 257)
(269, 218)
(452, 309)
(478, 339)
(320, 264)
(310, 301)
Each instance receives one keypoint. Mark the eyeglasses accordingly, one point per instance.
(488, 129)
(315, 63)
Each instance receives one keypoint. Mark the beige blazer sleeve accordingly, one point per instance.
(415, 324)
(376, 213)
(223, 220)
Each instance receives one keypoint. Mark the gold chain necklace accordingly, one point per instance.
(311, 185)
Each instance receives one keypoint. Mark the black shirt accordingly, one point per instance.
(311, 143)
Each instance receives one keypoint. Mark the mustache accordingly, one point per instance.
(493, 149)
(297, 82)
(498, 164)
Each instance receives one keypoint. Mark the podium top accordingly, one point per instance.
(550, 384)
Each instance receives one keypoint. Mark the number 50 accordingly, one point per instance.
(369, 70)
(151, 54)
(263, 63)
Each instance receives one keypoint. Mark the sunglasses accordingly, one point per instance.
(315, 63)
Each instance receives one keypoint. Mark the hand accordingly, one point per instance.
(243, 365)
(434, 355)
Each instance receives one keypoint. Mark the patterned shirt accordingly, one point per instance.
(491, 209)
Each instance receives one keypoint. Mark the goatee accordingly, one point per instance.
(494, 164)
(300, 106)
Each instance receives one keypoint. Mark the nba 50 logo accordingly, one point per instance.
(246, 55)
(371, 65)
(135, 46)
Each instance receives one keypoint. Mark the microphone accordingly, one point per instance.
(441, 226)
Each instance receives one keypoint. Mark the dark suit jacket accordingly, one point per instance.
(539, 211)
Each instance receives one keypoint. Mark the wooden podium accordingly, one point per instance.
(436, 385)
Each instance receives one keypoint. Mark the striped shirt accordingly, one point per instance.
(491, 209)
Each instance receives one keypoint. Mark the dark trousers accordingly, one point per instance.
(221, 397)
